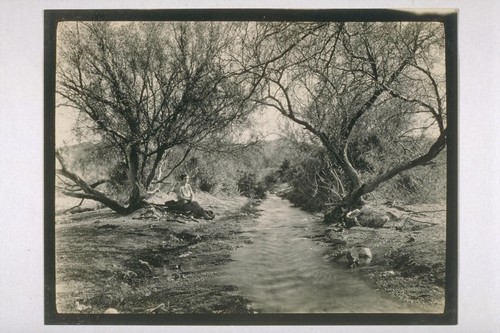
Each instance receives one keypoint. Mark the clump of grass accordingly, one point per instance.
(370, 217)
(423, 259)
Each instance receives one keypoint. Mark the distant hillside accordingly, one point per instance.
(91, 161)
(276, 151)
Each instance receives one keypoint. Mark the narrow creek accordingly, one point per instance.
(284, 271)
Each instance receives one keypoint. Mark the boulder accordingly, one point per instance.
(365, 252)
(371, 217)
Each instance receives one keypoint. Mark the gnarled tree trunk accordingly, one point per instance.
(355, 198)
(88, 191)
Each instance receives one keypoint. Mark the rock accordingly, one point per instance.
(371, 217)
(111, 311)
(365, 252)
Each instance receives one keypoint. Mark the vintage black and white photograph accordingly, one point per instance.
(251, 163)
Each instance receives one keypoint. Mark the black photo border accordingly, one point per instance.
(449, 18)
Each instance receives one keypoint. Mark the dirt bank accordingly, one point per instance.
(408, 253)
(149, 262)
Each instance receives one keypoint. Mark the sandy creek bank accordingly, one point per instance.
(408, 254)
(143, 263)
(148, 263)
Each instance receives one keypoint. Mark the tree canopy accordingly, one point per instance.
(144, 88)
(371, 93)
(365, 91)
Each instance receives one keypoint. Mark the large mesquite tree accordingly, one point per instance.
(364, 91)
(145, 88)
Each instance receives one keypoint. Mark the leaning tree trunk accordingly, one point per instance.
(355, 198)
(88, 191)
(356, 188)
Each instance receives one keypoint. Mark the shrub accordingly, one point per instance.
(249, 187)
(312, 183)
(425, 184)
(282, 172)
(314, 186)
(212, 174)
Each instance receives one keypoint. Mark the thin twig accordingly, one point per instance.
(156, 308)
(415, 212)
(67, 210)
(431, 211)
(433, 223)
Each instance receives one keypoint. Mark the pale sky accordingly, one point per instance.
(65, 120)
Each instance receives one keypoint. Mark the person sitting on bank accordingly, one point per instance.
(185, 200)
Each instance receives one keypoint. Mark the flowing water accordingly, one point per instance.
(283, 270)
